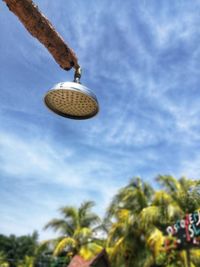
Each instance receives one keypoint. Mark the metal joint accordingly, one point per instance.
(77, 75)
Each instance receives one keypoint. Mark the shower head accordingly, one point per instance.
(72, 100)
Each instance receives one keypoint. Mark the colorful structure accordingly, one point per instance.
(186, 232)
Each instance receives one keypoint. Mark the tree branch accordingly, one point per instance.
(41, 28)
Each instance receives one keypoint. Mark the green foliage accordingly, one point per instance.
(15, 249)
(132, 231)
(27, 262)
(3, 260)
(126, 237)
(171, 259)
(77, 229)
(137, 219)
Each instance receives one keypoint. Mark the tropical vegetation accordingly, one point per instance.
(133, 230)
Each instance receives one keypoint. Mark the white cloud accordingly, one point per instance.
(34, 162)
(190, 167)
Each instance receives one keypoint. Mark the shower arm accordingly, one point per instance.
(77, 75)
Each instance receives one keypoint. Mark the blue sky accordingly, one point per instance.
(142, 60)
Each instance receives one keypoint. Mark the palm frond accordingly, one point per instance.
(60, 225)
(90, 219)
(65, 244)
(155, 241)
(83, 235)
(161, 198)
(90, 250)
(169, 183)
(86, 206)
(69, 212)
(150, 216)
(118, 248)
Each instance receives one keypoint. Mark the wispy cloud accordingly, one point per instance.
(45, 176)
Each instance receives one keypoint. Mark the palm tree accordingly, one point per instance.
(126, 238)
(177, 198)
(77, 228)
(185, 192)
(161, 212)
(138, 217)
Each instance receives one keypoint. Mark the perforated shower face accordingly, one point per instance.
(72, 100)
